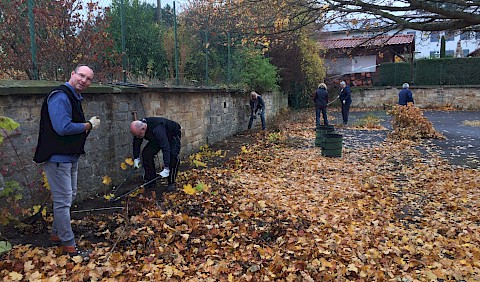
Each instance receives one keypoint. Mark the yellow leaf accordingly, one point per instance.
(199, 163)
(189, 189)
(77, 259)
(244, 150)
(45, 181)
(15, 276)
(123, 166)
(262, 204)
(431, 276)
(36, 208)
(325, 263)
(107, 180)
(129, 161)
(352, 267)
(168, 271)
(230, 277)
(109, 196)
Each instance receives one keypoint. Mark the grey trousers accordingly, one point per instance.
(62, 178)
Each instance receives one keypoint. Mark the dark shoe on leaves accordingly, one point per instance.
(172, 187)
(73, 251)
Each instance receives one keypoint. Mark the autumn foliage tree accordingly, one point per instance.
(66, 34)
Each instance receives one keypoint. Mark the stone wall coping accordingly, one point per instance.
(352, 88)
(40, 87)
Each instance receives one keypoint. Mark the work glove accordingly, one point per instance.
(94, 122)
(344, 101)
(165, 172)
(136, 163)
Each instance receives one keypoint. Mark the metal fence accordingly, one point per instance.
(126, 41)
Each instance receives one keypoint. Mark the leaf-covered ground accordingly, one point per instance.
(279, 211)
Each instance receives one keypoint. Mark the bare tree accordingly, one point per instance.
(422, 15)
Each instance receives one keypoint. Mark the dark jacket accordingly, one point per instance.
(161, 131)
(49, 142)
(345, 95)
(256, 105)
(320, 98)
(405, 96)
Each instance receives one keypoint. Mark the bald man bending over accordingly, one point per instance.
(162, 134)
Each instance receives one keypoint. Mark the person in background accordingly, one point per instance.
(256, 105)
(61, 140)
(346, 99)
(405, 95)
(320, 97)
(162, 134)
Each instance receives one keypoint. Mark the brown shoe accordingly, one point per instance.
(74, 251)
(55, 239)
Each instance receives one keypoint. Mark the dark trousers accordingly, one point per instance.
(324, 114)
(148, 155)
(345, 110)
(253, 117)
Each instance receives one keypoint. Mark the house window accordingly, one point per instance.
(465, 52)
(467, 35)
(434, 36)
(411, 32)
(449, 53)
(449, 36)
(477, 35)
(434, 54)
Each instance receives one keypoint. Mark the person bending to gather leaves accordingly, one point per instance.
(256, 105)
(162, 134)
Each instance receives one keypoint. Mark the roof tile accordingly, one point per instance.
(367, 41)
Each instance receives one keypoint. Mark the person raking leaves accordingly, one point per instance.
(162, 134)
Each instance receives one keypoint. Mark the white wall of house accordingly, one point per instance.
(427, 44)
(351, 65)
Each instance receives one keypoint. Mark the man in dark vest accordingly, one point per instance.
(61, 141)
(162, 134)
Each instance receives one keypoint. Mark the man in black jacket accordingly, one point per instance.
(346, 99)
(162, 134)
(320, 98)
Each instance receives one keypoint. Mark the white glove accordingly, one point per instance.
(344, 101)
(136, 163)
(94, 121)
(165, 172)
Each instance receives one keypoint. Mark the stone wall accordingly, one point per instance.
(464, 98)
(206, 116)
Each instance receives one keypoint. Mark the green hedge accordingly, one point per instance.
(446, 71)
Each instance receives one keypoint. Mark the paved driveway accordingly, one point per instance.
(461, 146)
